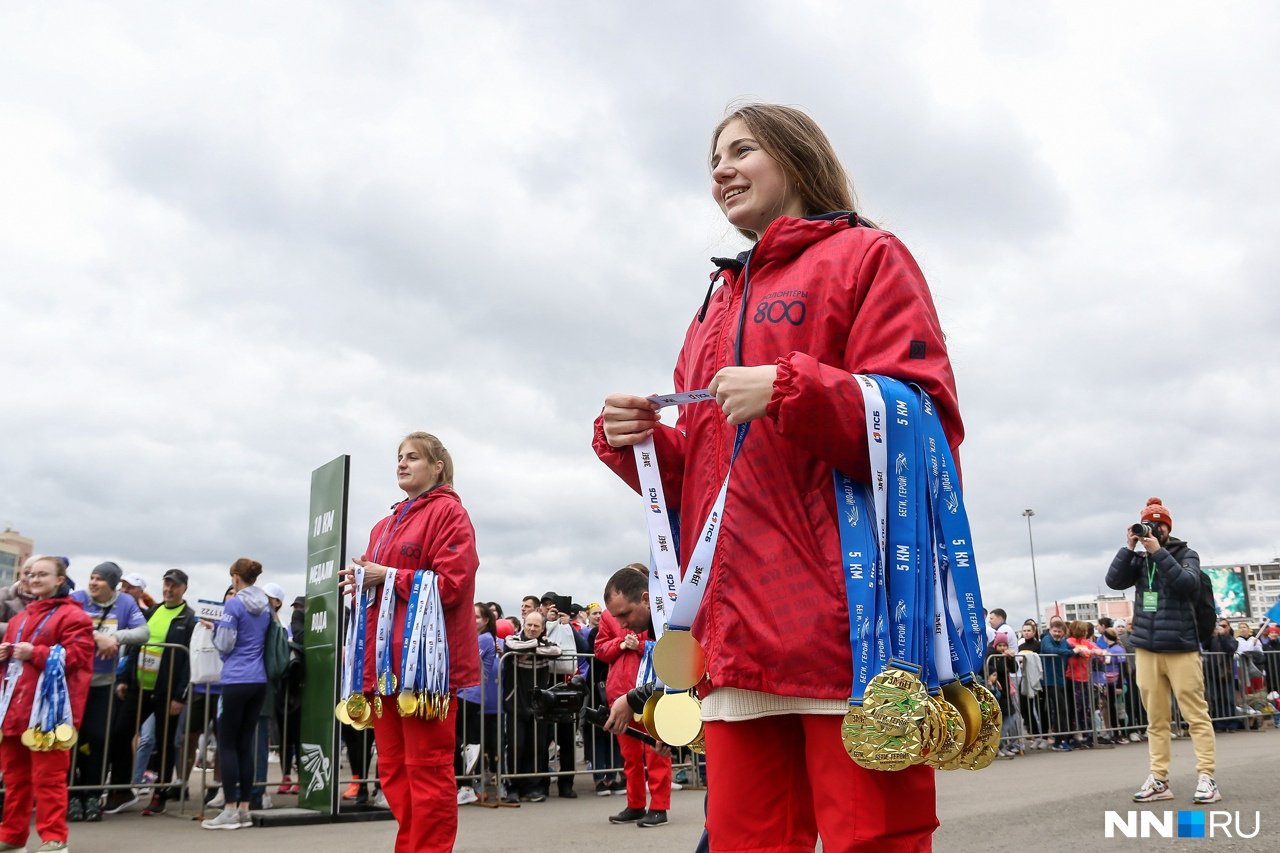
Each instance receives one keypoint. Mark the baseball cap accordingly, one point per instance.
(137, 580)
(178, 576)
(274, 590)
(300, 602)
(548, 596)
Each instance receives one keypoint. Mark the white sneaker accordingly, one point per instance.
(380, 801)
(246, 819)
(1154, 789)
(676, 786)
(1206, 790)
(466, 795)
(226, 819)
(219, 800)
(266, 801)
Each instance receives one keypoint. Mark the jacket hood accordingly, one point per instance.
(436, 493)
(788, 236)
(254, 600)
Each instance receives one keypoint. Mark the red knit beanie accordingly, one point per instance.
(1155, 513)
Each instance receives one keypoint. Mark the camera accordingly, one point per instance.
(1142, 530)
(559, 703)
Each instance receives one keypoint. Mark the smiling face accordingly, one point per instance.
(751, 187)
(44, 578)
(415, 472)
(99, 590)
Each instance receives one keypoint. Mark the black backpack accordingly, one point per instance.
(1206, 610)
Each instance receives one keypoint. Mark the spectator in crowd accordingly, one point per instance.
(624, 631)
(1080, 680)
(271, 705)
(1135, 716)
(117, 621)
(135, 586)
(998, 621)
(1030, 640)
(559, 630)
(1220, 676)
(240, 637)
(32, 777)
(529, 668)
(1165, 578)
(15, 597)
(602, 747)
(1269, 640)
(477, 719)
(1252, 675)
(1000, 667)
(202, 712)
(1113, 667)
(289, 710)
(1055, 651)
(528, 604)
(1104, 622)
(155, 679)
(502, 625)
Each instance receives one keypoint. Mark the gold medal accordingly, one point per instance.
(47, 741)
(407, 703)
(951, 740)
(678, 718)
(357, 707)
(64, 733)
(678, 659)
(646, 717)
(967, 706)
(854, 730)
(341, 713)
(894, 701)
(377, 705)
(29, 738)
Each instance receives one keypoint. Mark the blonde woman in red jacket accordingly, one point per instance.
(822, 294)
(30, 776)
(429, 529)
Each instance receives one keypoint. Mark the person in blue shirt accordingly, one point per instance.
(1054, 654)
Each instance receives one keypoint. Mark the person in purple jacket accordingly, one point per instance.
(117, 621)
(479, 703)
(240, 637)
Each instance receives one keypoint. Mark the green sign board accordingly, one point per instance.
(326, 556)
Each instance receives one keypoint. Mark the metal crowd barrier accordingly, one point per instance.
(1107, 709)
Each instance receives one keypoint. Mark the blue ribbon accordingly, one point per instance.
(405, 687)
(904, 549)
(868, 632)
(955, 543)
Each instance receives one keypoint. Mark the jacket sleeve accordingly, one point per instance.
(450, 550)
(668, 443)
(224, 633)
(1184, 578)
(895, 332)
(609, 639)
(1123, 573)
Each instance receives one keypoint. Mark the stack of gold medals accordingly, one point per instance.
(894, 571)
(422, 687)
(51, 721)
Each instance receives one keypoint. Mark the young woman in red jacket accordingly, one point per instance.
(51, 619)
(821, 295)
(429, 529)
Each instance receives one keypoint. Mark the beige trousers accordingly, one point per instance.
(1179, 673)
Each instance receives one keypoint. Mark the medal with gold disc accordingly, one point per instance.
(354, 707)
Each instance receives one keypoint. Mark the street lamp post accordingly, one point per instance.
(1035, 585)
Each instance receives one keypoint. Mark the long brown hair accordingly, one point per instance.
(803, 151)
(432, 448)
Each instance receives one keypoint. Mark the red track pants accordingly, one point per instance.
(777, 783)
(635, 755)
(415, 767)
(38, 776)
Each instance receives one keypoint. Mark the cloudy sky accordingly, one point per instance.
(237, 240)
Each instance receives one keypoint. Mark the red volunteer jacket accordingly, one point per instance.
(69, 626)
(435, 533)
(824, 299)
(623, 663)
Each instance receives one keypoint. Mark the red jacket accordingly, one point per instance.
(623, 663)
(69, 626)
(825, 299)
(435, 533)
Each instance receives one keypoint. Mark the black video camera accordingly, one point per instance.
(1142, 530)
(559, 703)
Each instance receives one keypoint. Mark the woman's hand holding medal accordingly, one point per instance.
(743, 393)
(374, 575)
(628, 419)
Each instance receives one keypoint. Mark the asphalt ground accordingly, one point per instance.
(1042, 801)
